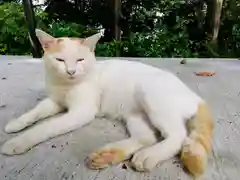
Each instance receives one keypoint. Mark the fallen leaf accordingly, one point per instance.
(205, 73)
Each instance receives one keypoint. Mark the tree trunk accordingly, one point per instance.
(31, 23)
(117, 30)
(214, 9)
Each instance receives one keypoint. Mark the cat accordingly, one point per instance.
(145, 97)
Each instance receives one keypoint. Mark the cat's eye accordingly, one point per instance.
(80, 59)
(59, 59)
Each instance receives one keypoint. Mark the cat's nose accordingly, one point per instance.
(71, 71)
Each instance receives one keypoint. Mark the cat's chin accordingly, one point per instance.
(73, 79)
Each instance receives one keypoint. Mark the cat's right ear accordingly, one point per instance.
(45, 39)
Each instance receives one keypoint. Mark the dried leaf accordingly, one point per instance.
(205, 73)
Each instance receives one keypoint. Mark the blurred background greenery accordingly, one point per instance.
(156, 28)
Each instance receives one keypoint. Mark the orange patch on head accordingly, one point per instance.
(55, 46)
(59, 40)
(80, 40)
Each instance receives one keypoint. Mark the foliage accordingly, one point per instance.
(14, 34)
(14, 38)
(154, 28)
(229, 35)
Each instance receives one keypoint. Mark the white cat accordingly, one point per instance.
(146, 97)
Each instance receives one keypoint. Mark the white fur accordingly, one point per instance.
(144, 96)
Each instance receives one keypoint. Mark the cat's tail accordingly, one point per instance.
(199, 141)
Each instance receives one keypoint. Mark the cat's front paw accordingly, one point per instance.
(14, 146)
(145, 160)
(14, 126)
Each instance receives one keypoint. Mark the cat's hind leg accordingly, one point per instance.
(141, 135)
(44, 109)
(174, 134)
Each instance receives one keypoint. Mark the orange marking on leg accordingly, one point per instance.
(105, 157)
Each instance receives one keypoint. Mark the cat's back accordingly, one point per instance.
(127, 82)
(130, 69)
(124, 71)
(118, 64)
(132, 75)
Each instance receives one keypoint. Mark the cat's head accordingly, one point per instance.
(68, 58)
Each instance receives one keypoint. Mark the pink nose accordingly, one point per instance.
(71, 71)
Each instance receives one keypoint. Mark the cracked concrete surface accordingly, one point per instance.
(62, 158)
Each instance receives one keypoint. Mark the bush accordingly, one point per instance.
(14, 39)
(14, 34)
(159, 43)
(161, 40)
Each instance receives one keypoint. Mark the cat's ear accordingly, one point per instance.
(92, 41)
(45, 39)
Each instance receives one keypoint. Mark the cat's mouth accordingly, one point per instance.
(72, 77)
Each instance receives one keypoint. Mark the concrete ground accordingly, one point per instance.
(62, 158)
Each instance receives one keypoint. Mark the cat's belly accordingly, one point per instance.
(118, 104)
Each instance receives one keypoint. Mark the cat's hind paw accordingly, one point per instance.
(105, 157)
(145, 160)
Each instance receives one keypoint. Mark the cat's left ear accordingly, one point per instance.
(92, 41)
